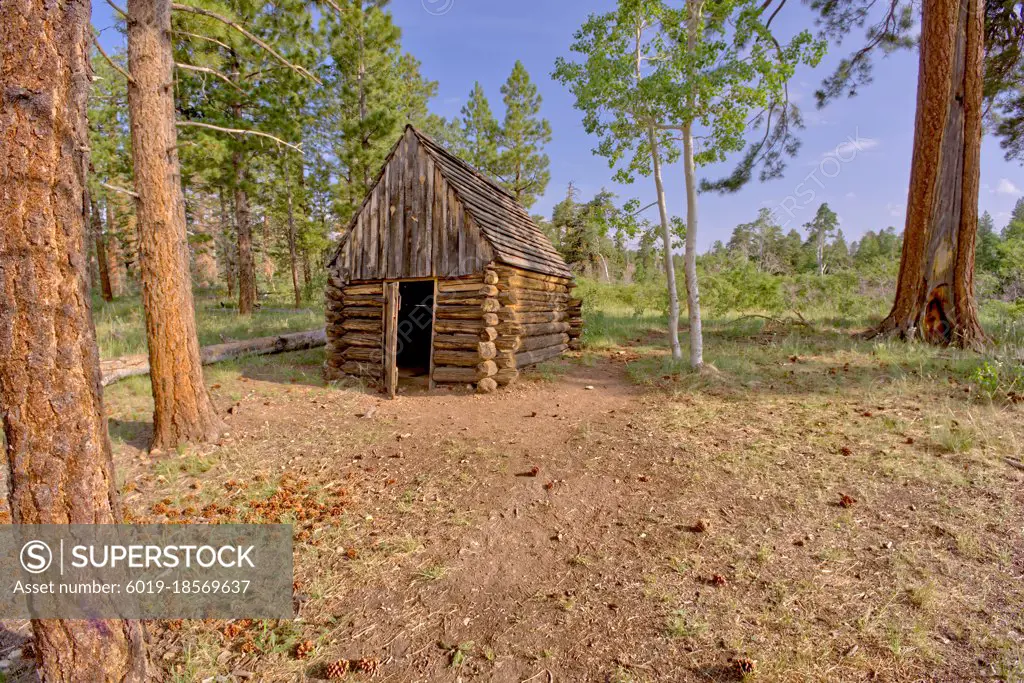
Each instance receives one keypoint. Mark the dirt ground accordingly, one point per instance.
(823, 518)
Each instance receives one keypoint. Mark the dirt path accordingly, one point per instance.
(555, 532)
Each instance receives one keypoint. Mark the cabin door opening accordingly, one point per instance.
(415, 327)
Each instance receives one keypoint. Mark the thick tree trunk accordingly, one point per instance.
(101, 250)
(246, 264)
(935, 290)
(57, 449)
(112, 246)
(292, 255)
(666, 238)
(692, 291)
(182, 407)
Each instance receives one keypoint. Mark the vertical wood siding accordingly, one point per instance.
(413, 225)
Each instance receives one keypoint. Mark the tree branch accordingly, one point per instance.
(238, 27)
(212, 72)
(239, 131)
(96, 42)
(335, 6)
(115, 188)
(117, 9)
(201, 37)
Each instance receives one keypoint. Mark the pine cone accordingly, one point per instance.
(367, 666)
(337, 670)
(742, 665)
(304, 649)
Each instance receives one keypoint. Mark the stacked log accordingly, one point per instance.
(355, 319)
(537, 319)
(575, 310)
(465, 334)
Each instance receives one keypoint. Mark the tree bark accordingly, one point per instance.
(101, 250)
(112, 246)
(246, 264)
(227, 241)
(692, 290)
(666, 238)
(935, 290)
(60, 469)
(292, 255)
(182, 407)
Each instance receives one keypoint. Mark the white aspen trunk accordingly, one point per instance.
(692, 291)
(666, 237)
(821, 252)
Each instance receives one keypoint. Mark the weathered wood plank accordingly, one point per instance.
(397, 237)
(391, 338)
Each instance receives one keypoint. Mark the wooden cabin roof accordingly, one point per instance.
(491, 212)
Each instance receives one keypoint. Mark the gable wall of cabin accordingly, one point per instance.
(412, 225)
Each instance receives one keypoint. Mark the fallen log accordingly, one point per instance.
(117, 369)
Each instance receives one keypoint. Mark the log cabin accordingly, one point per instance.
(442, 274)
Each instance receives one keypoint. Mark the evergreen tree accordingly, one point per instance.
(821, 229)
(480, 133)
(986, 249)
(522, 164)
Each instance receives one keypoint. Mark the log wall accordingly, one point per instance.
(488, 326)
(355, 329)
(465, 321)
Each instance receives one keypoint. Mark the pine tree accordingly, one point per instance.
(986, 249)
(480, 132)
(56, 447)
(372, 89)
(522, 164)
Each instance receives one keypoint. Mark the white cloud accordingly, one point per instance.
(896, 210)
(848, 149)
(1006, 186)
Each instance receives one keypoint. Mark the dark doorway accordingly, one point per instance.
(415, 327)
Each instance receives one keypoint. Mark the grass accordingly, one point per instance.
(914, 580)
(121, 331)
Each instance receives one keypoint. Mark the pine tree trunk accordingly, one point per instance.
(292, 257)
(226, 241)
(692, 291)
(112, 246)
(60, 468)
(182, 407)
(666, 238)
(101, 250)
(935, 291)
(246, 264)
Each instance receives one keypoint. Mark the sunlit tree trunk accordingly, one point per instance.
(666, 237)
(60, 469)
(935, 291)
(182, 407)
(692, 290)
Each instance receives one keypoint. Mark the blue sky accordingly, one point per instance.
(855, 154)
